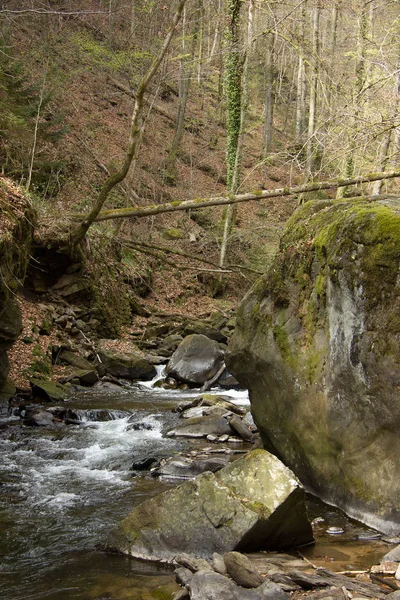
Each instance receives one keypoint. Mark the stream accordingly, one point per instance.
(63, 489)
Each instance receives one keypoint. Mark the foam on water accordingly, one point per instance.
(62, 472)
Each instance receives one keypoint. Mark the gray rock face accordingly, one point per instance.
(128, 366)
(318, 345)
(253, 503)
(196, 360)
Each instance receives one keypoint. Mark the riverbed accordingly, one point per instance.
(63, 489)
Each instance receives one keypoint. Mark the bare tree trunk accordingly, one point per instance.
(397, 129)
(313, 91)
(135, 134)
(384, 150)
(269, 93)
(359, 85)
(233, 94)
(185, 79)
(234, 182)
(301, 88)
(158, 209)
(384, 159)
(332, 49)
(217, 32)
(201, 41)
(35, 134)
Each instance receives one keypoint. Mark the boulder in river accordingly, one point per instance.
(253, 503)
(196, 360)
(317, 344)
(127, 366)
(199, 427)
(48, 390)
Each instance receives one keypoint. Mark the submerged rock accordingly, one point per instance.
(196, 360)
(253, 503)
(318, 345)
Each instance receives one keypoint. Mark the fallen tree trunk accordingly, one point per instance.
(156, 209)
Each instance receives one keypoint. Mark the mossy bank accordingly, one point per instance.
(317, 343)
(17, 218)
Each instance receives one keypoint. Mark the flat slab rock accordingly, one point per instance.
(206, 585)
(255, 502)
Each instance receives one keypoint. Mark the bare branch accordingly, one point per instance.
(156, 209)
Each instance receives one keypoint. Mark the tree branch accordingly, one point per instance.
(156, 209)
(135, 135)
(139, 245)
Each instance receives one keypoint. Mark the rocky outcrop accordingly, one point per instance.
(255, 502)
(16, 229)
(318, 345)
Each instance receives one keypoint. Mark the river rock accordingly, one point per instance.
(87, 377)
(255, 502)
(206, 585)
(185, 468)
(209, 400)
(38, 417)
(242, 571)
(392, 556)
(75, 360)
(196, 360)
(169, 344)
(48, 390)
(317, 343)
(127, 366)
(199, 427)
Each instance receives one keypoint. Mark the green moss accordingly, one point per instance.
(320, 285)
(173, 234)
(312, 364)
(282, 341)
(259, 508)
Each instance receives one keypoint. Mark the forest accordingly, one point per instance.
(309, 89)
(199, 299)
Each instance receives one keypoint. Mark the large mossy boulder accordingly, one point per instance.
(253, 503)
(196, 360)
(318, 345)
(17, 220)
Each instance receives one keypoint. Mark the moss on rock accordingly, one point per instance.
(323, 366)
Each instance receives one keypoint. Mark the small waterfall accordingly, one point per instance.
(159, 375)
(100, 414)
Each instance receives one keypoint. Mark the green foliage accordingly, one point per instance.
(40, 367)
(173, 234)
(101, 55)
(22, 105)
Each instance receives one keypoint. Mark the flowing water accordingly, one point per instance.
(62, 490)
